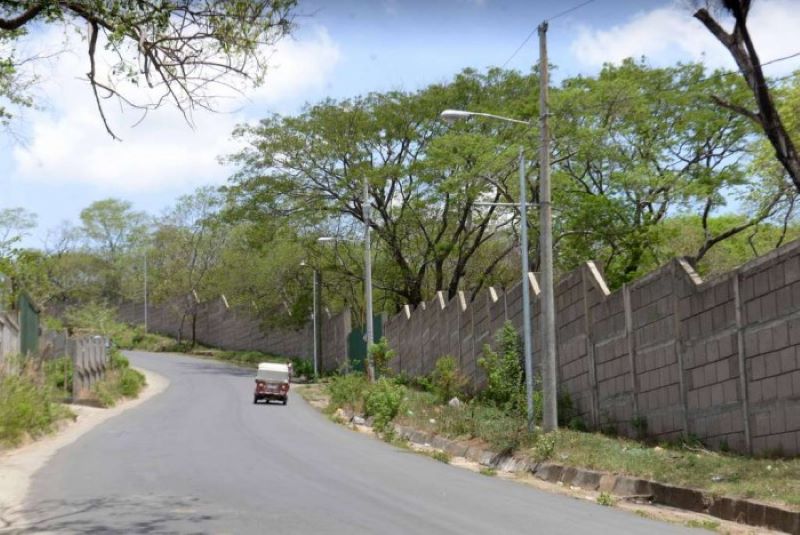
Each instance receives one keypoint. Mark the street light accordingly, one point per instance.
(453, 115)
(315, 319)
(367, 280)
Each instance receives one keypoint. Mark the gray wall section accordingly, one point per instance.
(717, 359)
(235, 329)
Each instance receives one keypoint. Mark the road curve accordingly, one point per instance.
(201, 458)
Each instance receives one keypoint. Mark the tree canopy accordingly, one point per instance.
(186, 52)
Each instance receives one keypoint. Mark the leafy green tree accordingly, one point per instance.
(637, 145)
(15, 223)
(424, 177)
(763, 111)
(112, 230)
(184, 251)
(184, 51)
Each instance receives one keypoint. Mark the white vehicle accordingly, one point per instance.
(272, 382)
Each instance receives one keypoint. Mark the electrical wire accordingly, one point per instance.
(557, 15)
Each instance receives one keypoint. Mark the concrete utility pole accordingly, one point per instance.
(317, 322)
(145, 293)
(526, 290)
(368, 282)
(549, 386)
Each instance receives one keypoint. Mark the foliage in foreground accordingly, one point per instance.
(382, 401)
(447, 381)
(28, 404)
(121, 381)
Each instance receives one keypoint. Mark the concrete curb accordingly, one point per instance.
(733, 509)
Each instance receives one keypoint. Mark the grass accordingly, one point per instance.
(710, 525)
(500, 431)
(687, 464)
(488, 471)
(441, 456)
(28, 404)
(772, 480)
(606, 499)
(121, 381)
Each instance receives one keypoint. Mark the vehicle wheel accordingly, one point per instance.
(285, 400)
(255, 400)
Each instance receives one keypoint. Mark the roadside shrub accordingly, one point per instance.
(347, 391)
(381, 355)
(504, 432)
(447, 380)
(456, 422)
(639, 424)
(119, 383)
(26, 405)
(544, 447)
(130, 382)
(505, 380)
(606, 500)
(383, 401)
(103, 392)
(302, 368)
(441, 456)
(58, 374)
(577, 424)
(117, 360)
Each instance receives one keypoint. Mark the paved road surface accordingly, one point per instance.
(201, 458)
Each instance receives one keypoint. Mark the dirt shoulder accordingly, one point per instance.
(18, 465)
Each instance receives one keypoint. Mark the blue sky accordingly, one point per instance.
(64, 160)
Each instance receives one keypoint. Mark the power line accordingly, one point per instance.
(557, 15)
(519, 48)
(570, 10)
(784, 58)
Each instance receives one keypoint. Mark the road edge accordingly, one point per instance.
(18, 466)
(586, 484)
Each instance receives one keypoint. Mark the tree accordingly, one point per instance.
(740, 45)
(184, 251)
(424, 177)
(15, 223)
(112, 229)
(112, 226)
(185, 50)
(637, 145)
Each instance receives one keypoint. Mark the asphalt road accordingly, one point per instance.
(201, 458)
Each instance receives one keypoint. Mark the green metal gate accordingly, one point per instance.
(28, 325)
(357, 344)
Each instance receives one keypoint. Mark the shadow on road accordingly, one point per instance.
(202, 368)
(116, 515)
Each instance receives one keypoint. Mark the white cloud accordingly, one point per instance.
(68, 144)
(669, 34)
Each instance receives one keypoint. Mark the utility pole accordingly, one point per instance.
(317, 322)
(368, 282)
(526, 289)
(549, 386)
(145, 293)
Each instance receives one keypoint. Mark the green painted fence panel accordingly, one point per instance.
(357, 344)
(28, 325)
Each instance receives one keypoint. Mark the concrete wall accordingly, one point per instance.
(90, 362)
(236, 329)
(718, 359)
(9, 336)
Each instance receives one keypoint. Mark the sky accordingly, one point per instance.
(60, 158)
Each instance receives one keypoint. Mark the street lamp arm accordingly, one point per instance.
(454, 115)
